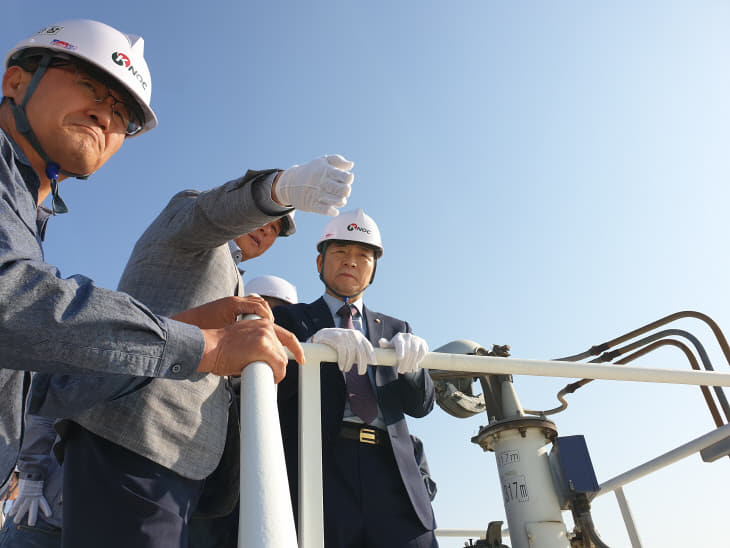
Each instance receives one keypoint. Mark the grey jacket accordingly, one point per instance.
(183, 260)
(66, 325)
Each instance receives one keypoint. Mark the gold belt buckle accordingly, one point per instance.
(367, 435)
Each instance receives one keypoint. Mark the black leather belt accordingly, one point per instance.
(366, 435)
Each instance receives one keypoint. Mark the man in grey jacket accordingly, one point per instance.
(151, 452)
(68, 325)
(37, 512)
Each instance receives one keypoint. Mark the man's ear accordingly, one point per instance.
(15, 82)
(319, 263)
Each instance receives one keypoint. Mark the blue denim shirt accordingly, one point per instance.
(37, 462)
(66, 325)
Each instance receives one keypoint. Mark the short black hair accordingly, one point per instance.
(285, 225)
(322, 247)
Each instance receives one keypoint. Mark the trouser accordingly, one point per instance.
(219, 532)
(41, 535)
(114, 498)
(365, 502)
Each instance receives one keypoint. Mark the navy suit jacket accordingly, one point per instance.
(397, 395)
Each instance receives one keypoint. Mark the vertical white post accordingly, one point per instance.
(628, 518)
(311, 511)
(266, 519)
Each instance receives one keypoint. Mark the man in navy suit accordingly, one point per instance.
(374, 493)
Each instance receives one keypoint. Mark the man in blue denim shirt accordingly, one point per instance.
(69, 102)
(39, 496)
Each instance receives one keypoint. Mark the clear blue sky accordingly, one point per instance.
(547, 175)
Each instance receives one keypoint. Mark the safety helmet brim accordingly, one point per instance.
(119, 56)
(352, 227)
(288, 226)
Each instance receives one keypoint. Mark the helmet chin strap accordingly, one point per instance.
(337, 294)
(23, 127)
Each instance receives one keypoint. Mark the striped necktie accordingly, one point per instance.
(359, 390)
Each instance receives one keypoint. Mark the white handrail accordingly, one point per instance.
(664, 460)
(623, 505)
(310, 462)
(311, 512)
(616, 484)
(489, 365)
(266, 519)
(468, 533)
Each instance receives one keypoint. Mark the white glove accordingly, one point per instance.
(351, 346)
(321, 186)
(30, 497)
(410, 350)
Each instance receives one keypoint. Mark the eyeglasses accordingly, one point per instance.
(124, 117)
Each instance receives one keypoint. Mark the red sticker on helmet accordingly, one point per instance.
(64, 45)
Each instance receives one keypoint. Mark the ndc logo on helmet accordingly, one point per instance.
(123, 60)
(353, 226)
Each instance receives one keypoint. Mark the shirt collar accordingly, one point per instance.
(334, 304)
(235, 251)
(42, 216)
(31, 179)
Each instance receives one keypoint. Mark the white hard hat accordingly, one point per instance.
(287, 224)
(273, 286)
(118, 55)
(353, 226)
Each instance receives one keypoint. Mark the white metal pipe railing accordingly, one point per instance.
(616, 484)
(461, 533)
(664, 460)
(310, 458)
(467, 533)
(311, 512)
(266, 519)
(490, 365)
(628, 518)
